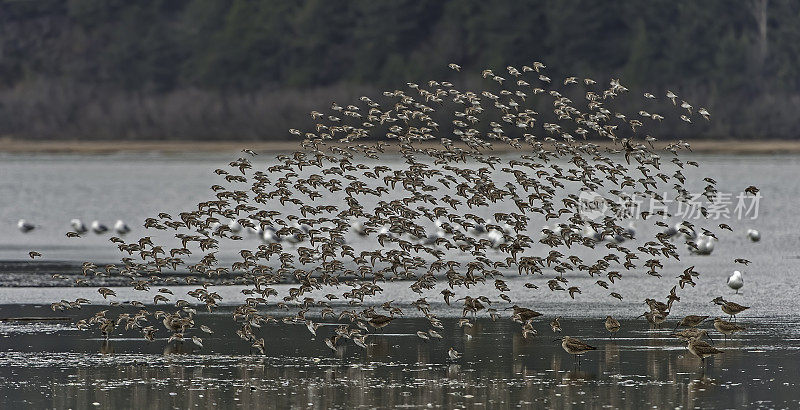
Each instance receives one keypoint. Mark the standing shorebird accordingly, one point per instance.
(106, 327)
(735, 281)
(575, 347)
(655, 318)
(702, 350)
(726, 328)
(692, 333)
(729, 308)
(522, 314)
(691, 321)
(612, 325)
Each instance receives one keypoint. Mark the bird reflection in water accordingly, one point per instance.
(106, 347)
(698, 388)
(178, 348)
(611, 358)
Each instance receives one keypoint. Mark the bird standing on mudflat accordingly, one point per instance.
(612, 325)
(575, 347)
(730, 308)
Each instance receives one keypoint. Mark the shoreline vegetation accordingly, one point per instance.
(102, 147)
(236, 69)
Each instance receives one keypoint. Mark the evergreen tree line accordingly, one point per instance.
(246, 69)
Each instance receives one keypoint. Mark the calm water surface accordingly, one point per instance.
(52, 365)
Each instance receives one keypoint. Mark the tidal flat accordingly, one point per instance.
(51, 364)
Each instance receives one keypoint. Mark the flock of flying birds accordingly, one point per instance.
(483, 167)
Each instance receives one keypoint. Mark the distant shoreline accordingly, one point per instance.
(15, 146)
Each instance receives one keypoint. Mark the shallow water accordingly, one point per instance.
(54, 365)
(51, 190)
(50, 364)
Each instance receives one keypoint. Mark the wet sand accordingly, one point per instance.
(50, 364)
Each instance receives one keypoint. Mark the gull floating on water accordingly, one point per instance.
(78, 226)
(359, 229)
(234, 226)
(99, 228)
(25, 226)
(704, 245)
(433, 237)
(753, 235)
(630, 230)
(476, 230)
(735, 281)
(495, 237)
(121, 227)
(270, 236)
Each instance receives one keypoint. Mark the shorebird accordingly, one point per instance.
(106, 292)
(729, 308)
(735, 281)
(691, 333)
(522, 314)
(612, 325)
(25, 226)
(555, 324)
(702, 350)
(197, 341)
(691, 321)
(457, 178)
(447, 294)
(106, 327)
(727, 328)
(453, 354)
(655, 318)
(380, 321)
(656, 306)
(575, 347)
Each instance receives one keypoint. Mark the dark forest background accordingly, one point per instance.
(243, 69)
